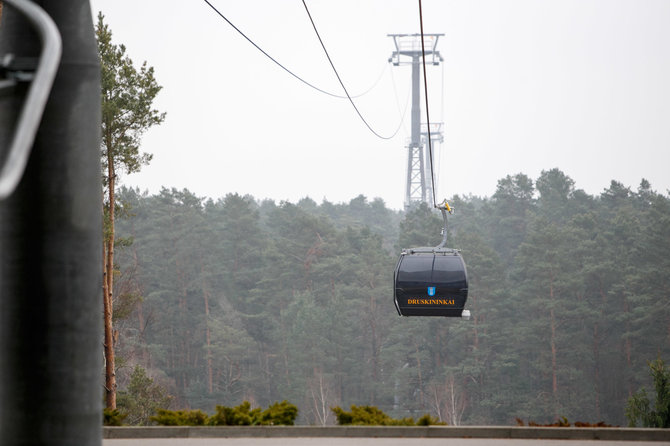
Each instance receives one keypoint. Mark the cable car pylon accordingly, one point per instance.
(409, 51)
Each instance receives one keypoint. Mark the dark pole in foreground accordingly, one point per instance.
(50, 248)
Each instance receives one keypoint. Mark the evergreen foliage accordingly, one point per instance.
(166, 417)
(277, 414)
(241, 415)
(263, 301)
(639, 405)
(113, 417)
(429, 420)
(563, 422)
(142, 398)
(372, 416)
(367, 416)
(283, 413)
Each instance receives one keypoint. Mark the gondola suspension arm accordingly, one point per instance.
(444, 208)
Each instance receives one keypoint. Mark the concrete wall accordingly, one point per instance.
(549, 433)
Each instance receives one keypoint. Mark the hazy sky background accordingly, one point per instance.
(526, 85)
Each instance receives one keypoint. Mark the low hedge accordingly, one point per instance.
(283, 413)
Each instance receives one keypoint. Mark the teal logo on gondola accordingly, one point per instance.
(431, 290)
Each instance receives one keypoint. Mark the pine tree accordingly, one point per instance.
(142, 398)
(639, 406)
(127, 113)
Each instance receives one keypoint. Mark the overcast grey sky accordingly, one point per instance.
(526, 85)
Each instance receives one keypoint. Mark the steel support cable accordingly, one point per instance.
(425, 87)
(286, 69)
(372, 87)
(342, 83)
(40, 87)
(440, 153)
(403, 113)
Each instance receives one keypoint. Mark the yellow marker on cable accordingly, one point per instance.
(444, 205)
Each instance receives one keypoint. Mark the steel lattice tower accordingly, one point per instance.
(419, 174)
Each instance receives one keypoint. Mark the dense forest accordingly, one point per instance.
(236, 299)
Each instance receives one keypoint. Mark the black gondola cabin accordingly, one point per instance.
(430, 282)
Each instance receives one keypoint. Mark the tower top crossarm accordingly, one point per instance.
(410, 45)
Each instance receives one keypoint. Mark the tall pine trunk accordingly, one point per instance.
(554, 365)
(107, 295)
(208, 336)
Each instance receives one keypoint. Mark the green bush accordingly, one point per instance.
(372, 416)
(241, 415)
(113, 417)
(283, 413)
(562, 422)
(427, 420)
(180, 417)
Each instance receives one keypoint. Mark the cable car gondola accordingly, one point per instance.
(431, 281)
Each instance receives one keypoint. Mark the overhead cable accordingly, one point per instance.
(342, 83)
(402, 112)
(284, 67)
(425, 87)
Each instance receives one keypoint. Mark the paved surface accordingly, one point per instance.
(366, 442)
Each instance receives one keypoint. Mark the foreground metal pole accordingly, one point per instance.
(50, 248)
